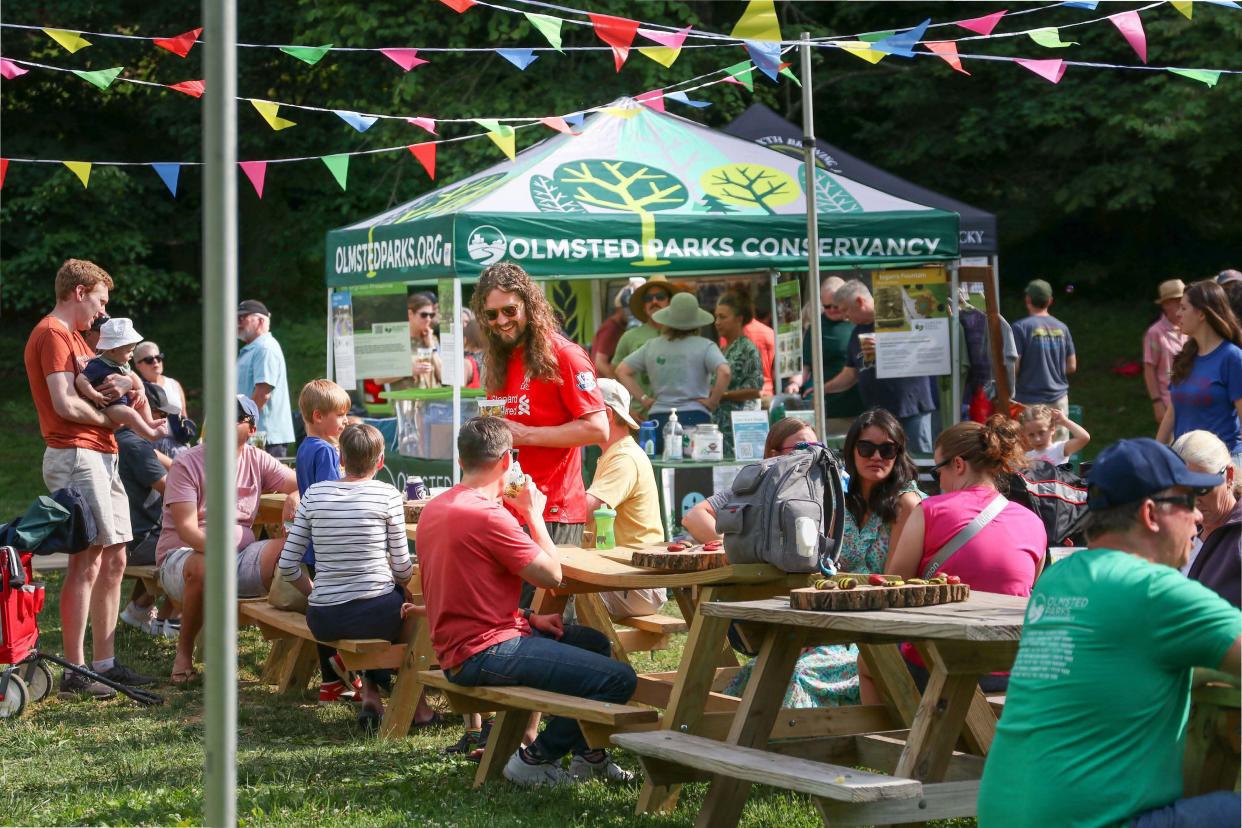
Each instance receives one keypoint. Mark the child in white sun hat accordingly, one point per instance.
(117, 340)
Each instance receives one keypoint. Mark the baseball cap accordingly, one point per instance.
(1131, 470)
(246, 408)
(98, 324)
(158, 399)
(253, 306)
(1038, 290)
(1227, 276)
(617, 398)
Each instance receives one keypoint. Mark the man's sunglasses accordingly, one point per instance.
(867, 448)
(151, 360)
(830, 307)
(492, 314)
(1186, 501)
(655, 296)
(426, 314)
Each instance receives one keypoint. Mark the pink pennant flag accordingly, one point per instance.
(428, 124)
(947, 49)
(1131, 27)
(653, 99)
(1050, 70)
(256, 171)
(10, 70)
(193, 88)
(407, 59)
(617, 32)
(672, 40)
(558, 123)
(426, 155)
(181, 44)
(982, 25)
(459, 6)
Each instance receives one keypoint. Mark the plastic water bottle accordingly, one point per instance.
(647, 438)
(672, 439)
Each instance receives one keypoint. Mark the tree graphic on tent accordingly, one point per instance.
(628, 187)
(750, 185)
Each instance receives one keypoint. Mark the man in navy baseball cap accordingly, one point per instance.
(1099, 694)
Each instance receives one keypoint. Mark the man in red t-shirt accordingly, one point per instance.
(552, 405)
(82, 452)
(473, 557)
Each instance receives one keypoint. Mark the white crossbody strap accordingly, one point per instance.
(965, 534)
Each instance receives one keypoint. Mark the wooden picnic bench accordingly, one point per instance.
(148, 574)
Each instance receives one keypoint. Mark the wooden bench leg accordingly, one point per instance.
(936, 727)
(593, 613)
(281, 648)
(296, 670)
(506, 737)
(403, 702)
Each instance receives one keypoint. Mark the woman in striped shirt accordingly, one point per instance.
(362, 562)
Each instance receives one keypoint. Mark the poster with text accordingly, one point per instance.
(343, 340)
(381, 331)
(911, 322)
(788, 317)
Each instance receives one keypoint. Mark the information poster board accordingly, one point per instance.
(788, 315)
(381, 331)
(343, 339)
(911, 322)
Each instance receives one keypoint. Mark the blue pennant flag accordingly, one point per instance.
(575, 120)
(1230, 3)
(681, 97)
(170, 174)
(521, 58)
(766, 55)
(902, 44)
(1082, 4)
(359, 122)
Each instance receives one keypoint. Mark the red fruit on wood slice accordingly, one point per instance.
(954, 579)
(877, 580)
(676, 547)
(712, 546)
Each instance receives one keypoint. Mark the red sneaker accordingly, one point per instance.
(335, 691)
(346, 677)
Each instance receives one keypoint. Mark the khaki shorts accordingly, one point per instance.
(96, 475)
(249, 577)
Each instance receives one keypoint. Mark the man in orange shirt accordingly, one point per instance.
(82, 452)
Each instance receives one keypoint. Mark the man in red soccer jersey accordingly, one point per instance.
(552, 404)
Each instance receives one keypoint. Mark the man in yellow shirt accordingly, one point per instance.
(624, 481)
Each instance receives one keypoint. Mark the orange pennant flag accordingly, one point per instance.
(426, 155)
(947, 49)
(558, 123)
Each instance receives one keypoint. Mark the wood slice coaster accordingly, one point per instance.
(867, 597)
(414, 509)
(693, 559)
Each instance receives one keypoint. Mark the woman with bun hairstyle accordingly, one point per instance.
(733, 314)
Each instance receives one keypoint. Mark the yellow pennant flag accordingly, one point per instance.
(70, 40)
(863, 50)
(759, 22)
(268, 111)
(82, 169)
(662, 55)
(501, 134)
(1186, 7)
(618, 112)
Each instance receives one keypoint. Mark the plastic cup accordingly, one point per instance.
(868, 350)
(604, 518)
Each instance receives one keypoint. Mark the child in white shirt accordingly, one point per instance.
(1039, 423)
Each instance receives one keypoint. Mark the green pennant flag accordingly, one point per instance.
(876, 36)
(338, 165)
(1050, 38)
(739, 74)
(549, 27)
(307, 54)
(1208, 76)
(102, 78)
(787, 72)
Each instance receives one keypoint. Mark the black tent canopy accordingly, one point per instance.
(760, 124)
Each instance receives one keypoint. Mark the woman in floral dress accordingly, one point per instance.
(882, 495)
(733, 312)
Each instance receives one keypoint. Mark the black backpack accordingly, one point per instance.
(1057, 496)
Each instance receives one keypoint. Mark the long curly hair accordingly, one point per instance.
(886, 493)
(541, 327)
(1210, 298)
(993, 448)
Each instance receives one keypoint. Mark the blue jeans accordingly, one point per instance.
(365, 618)
(579, 664)
(918, 433)
(1219, 809)
(686, 418)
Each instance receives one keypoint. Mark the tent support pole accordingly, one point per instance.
(812, 238)
(955, 337)
(991, 293)
(329, 371)
(459, 370)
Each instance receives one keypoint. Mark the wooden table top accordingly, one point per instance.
(271, 507)
(612, 568)
(984, 616)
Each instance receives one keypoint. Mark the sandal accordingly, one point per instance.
(188, 677)
(369, 719)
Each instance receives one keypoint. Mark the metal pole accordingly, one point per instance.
(459, 371)
(812, 239)
(220, 380)
(955, 347)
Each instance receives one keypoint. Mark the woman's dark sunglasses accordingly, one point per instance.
(491, 314)
(151, 360)
(868, 449)
(935, 470)
(655, 297)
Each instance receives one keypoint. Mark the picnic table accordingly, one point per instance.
(272, 506)
(959, 642)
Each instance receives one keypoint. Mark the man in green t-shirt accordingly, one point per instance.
(834, 331)
(1095, 719)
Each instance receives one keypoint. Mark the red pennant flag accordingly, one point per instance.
(617, 32)
(181, 44)
(1131, 27)
(4, 168)
(426, 155)
(947, 49)
(982, 25)
(558, 123)
(459, 6)
(256, 171)
(194, 89)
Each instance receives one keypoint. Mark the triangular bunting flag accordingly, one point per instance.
(10, 70)
(459, 6)
(1050, 70)
(743, 74)
(874, 37)
(338, 165)
(170, 174)
(1208, 76)
(256, 171)
(863, 50)
(426, 155)
(617, 32)
(653, 99)
(71, 41)
(670, 45)
(82, 169)
(179, 45)
(307, 54)
(194, 88)
(1131, 27)
(1089, 5)
(681, 97)
(1050, 38)
(947, 49)
(102, 78)
(1229, 3)
(4, 168)
(558, 123)
(268, 110)
(407, 59)
(428, 124)
(1186, 7)
(765, 55)
(788, 73)
(359, 122)
(576, 119)
(660, 54)
(549, 27)
(982, 25)
(758, 22)
(623, 112)
(501, 134)
(521, 58)
(903, 43)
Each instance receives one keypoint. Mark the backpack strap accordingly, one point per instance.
(834, 504)
(965, 534)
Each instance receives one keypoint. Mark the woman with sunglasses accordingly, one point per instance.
(149, 360)
(1216, 560)
(653, 295)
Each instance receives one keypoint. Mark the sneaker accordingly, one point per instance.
(123, 675)
(520, 772)
(342, 672)
(583, 769)
(465, 745)
(74, 685)
(169, 628)
(335, 691)
(140, 617)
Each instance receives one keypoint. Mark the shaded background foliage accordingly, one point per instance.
(1107, 181)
